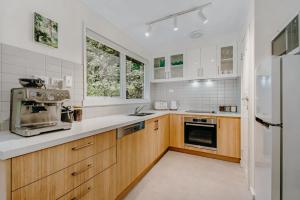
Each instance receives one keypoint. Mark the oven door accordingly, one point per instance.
(200, 134)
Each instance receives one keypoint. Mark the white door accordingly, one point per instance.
(209, 61)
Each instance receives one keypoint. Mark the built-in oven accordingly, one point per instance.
(200, 132)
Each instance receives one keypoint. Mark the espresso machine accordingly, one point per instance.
(35, 110)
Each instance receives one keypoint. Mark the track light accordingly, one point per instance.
(148, 32)
(175, 28)
(202, 16)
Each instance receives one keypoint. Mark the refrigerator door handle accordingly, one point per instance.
(267, 124)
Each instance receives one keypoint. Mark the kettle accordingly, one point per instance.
(173, 105)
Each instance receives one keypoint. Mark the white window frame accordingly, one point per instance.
(108, 101)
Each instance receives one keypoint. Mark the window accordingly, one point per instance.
(113, 74)
(134, 79)
(103, 69)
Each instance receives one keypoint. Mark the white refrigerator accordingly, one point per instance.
(277, 132)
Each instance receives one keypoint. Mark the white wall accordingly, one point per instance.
(16, 27)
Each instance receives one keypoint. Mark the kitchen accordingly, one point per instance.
(127, 100)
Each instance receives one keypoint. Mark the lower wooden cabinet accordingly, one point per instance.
(164, 134)
(137, 151)
(129, 160)
(228, 137)
(59, 183)
(176, 131)
(101, 187)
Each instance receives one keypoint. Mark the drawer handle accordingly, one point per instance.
(82, 195)
(82, 146)
(82, 170)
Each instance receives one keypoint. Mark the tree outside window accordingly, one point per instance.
(134, 79)
(103, 69)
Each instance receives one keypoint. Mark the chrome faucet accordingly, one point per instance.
(138, 109)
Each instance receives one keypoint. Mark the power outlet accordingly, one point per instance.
(68, 80)
(56, 83)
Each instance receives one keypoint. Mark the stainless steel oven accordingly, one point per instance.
(200, 132)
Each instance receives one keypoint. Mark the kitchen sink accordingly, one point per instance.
(141, 114)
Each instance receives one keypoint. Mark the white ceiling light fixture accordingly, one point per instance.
(202, 17)
(196, 34)
(148, 32)
(178, 14)
(175, 28)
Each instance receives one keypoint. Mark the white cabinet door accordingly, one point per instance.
(209, 61)
(193, 64)
(227, 59)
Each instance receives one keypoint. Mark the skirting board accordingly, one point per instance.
(208, 155)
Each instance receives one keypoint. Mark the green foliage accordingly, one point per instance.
(103, 70)
(45, 31)
(134, 79)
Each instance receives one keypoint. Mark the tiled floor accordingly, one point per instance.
(180, 176)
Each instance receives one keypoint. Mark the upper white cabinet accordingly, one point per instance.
(176, 66)
(169, 67)
(201, 63)
(209, 61)
(160, 68)
(227, 60)
(193, 64)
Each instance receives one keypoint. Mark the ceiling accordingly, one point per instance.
(225, 17)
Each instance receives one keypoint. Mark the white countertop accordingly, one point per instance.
(12, 145)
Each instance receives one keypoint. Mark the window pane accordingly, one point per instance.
(134, 79)
(103, 69)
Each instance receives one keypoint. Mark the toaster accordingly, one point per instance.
(161, 105)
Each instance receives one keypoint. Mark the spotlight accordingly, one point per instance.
(148, 32)
(175, 28)
(202, 17)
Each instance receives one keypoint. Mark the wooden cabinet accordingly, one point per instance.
(59, 183)
(34, 166)
(176, 131)
(163, 134)
(132, 158)
(228, 137)
(139, 150)
(51, 173)
(101, 187)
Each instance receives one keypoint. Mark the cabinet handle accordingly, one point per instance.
(82, 146)
(82, 170)
(82, 195)
(219, 123)
(156, 125)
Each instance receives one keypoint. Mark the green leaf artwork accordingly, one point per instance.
(45, 31)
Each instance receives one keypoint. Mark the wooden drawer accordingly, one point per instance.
(34, 166)
(101, 187)
(58, 184)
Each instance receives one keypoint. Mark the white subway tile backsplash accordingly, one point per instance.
(203, 95)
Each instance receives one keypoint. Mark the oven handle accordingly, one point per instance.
(204, 125)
